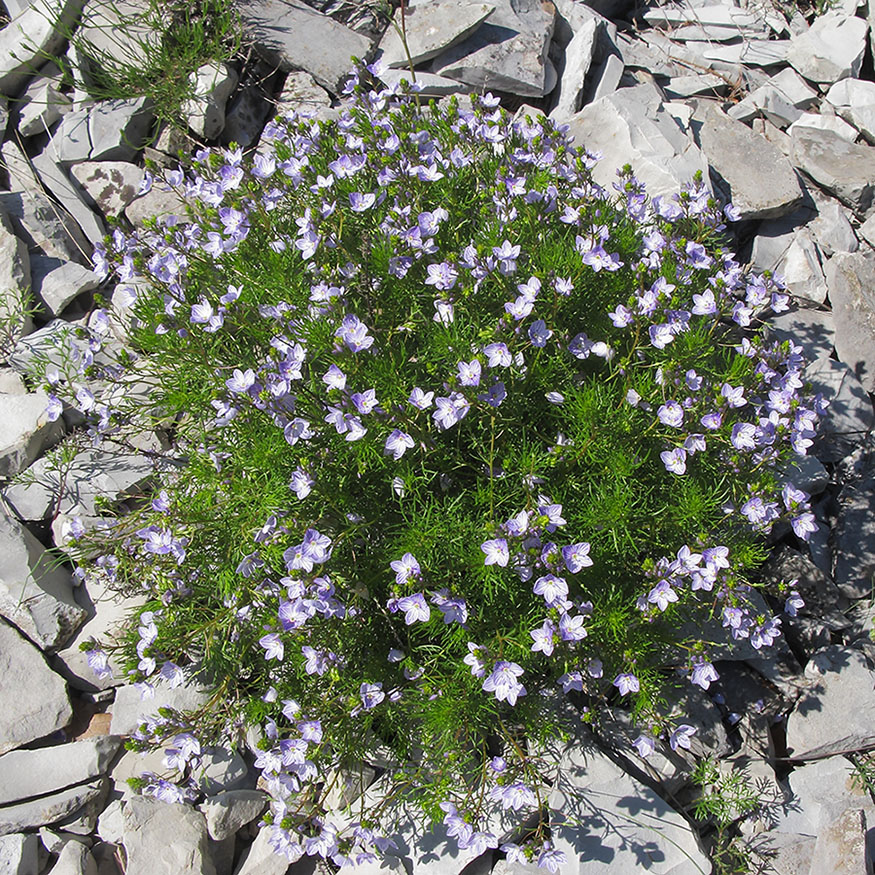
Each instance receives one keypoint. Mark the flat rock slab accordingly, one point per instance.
(831, 49)
(19, 854)
(607, 822)
(813, 330)
(130, 709)
(49, 809)
(110, 185)
(508, 52)
(631, 126)
(33, 699)
(761, 182)
(58, 283)
(36, 594)
(851, 281)
(294, 37)
(837, 713)
(430, 28)
(849, 417)
(165, 839)
(28, 773)
(842, 168)
(854, 101)
(227, 812)
(855, 541)
(25, 430)
(110, 130)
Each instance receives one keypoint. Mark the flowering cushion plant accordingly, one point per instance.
(457, 433)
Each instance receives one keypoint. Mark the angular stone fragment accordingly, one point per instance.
(579, 55)
(848, 418)
(854, 101)
(430, 27)
(19, 854)
(48, 809)
(817, 122)
(36, 595)
(292, 36)
(56, 284)
(837, 711)
(831, 229)
(851, 281)
(32, 36)
(111, 185)
(25, 430)
(760, 181)
(14, 287)
(28, 773)
(680, 87)
(841, 845)
(260, 858)
(229, 811)
(116, 33)
(33, 699)
(300, 93)
(211, 86)
(42, 103)
(752, 53)
(157, 203)
(602, 815)
(845, 169)
(130, 709)
(164, 839)
(508, 52)
(801, 269)
(831, 49)
(220, 769)
(855, 541)
(75, 859)
(633, 126)
(429, 84)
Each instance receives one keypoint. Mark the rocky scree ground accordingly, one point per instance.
(776, 109)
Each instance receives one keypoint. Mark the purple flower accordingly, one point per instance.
(544, 637)
(572, 628)
(477, 665)
(712, 421)
(416, 609)
(371, 695)
(354, 333)
(405, 568)
(515, 796)
(675, 461)
(551, 588)
(442, 276)
(360, 202)
(498, 355)
(793, 603)
(539, 334)
(365, 401)
(469, 373)
(444, 312)
(398, 443)
(645, 745)
(273, 646)
(507, 255)
(660, 335)
(804, 526)
(703, 674)
(450, 410)
(496, 552)
(241, 382)
(734, 395)
(627, 683)
(334, 378)
(419, 399)
(551, 858)
(681, 736)
(504, 682)
(671, 413)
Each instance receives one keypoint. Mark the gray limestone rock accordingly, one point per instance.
(32, 36)
(111, 185)
(11, 383)
(93, 473)
(14, 287)
(837, 711)
(681, 87)
(801, 268)
(219, 770)
(579, 56)
(130, 709)
(25, 431)
(250, 107)
(157, 203)
(841, 846)
(508, 52)
(28, 773)
(42, 103)
(292, 36)
(116, 33)
(300, 93)
(842, 168)
(813, 330)
(854, 101)
(430, 27)
(849, 417)
(75, 859)
(807, 473)
(751, 53)
(604, 819)
(49, 809)
(632, 126)
(831, 228)
(851, 281)
(33, 699)
(229, 811)
(106, 612)
(19, 854)
(759, 180)
(110, 130)
(775, 236)
(813, 121)
(165, 839)
(430, 84)
(260, 858)
(855, 541)
(211, 86)
(36, 595)
(56, 284)
(831, 49)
